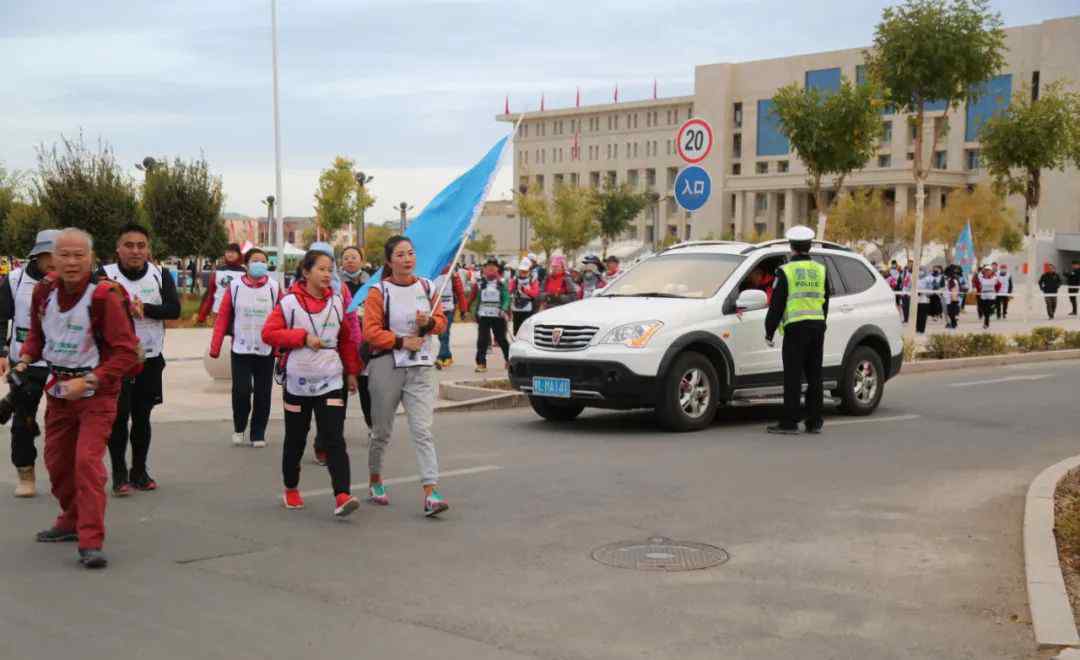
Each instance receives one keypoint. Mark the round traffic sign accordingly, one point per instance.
(692, 188)
(694, 140)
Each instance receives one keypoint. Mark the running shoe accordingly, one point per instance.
(320, 457)
(122, 489)
(345, 504)
(56, 535)
(238, 439)
(377, 494)
(783, 430)
(481, 369)
(258, 444)
(439, 364)
(434, 504)
(292, 499)
(93, 558)
(447, 363)
(143, 482)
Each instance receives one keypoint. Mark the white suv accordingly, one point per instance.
(683, 332)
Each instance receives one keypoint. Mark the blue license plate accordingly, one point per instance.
(556, 387)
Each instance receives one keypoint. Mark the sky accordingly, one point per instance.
(408, 89)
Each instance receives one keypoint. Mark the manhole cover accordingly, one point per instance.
(660, 554)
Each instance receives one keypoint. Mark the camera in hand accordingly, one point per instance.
(24, 391)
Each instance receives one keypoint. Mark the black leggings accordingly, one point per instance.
(486, 325)
(251, 375)
(329, 411)
(138, 396)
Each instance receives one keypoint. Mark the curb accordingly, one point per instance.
(924, 366)
(1051, 613)
(467, 397)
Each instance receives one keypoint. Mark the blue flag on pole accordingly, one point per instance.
(439, 230)
(965, 251)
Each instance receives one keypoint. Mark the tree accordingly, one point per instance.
(618, 208)
(535, 207)
(340, 200)
(183, 201)
(10, 195)
(833, 133)
(83, 188)
(23, 223)
(934, 50)
(1028, 137)
(575, 211)
(861, 216)
(482, 246)
(991, 221)
(377, 235)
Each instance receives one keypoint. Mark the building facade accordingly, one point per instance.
(758, 185)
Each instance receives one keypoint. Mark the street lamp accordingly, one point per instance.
(269, 203)
(146, 166)
(523, 224)
(404, 208)
(362, 180)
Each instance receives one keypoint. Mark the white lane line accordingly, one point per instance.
(410, 479)
(1007, 379)
(871, 420)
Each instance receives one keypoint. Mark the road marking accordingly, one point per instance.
(1007, 379)
(870, 420)
(410, 479)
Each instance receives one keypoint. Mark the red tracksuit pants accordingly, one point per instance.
(76, 437)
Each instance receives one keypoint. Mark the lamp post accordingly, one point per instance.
(146, 166)
(277, 147)
(269, 203)
(523, 225)
(404, 208)
(361, 181)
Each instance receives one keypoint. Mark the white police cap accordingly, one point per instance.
(800, 234)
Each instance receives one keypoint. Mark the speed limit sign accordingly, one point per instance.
(694, 140)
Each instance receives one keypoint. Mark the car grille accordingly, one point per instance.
(563, 337)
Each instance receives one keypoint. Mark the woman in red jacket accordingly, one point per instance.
(321, 360)
(244, 309)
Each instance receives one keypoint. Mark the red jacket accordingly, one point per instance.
(110, 321)
(532, 290)
(207, 304)
(223, 325)
(278, 334)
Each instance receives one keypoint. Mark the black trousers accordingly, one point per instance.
(953, 310)
(921, 313)
(905, 307)
(329, 412)
(486, 326)
(1051, 307)
(252, 383)
(1003, 307)
(803, 352)
(24, 427)
(138, 396)
(519, 318)
(986, 310)
(364, 392)
(1072, 299)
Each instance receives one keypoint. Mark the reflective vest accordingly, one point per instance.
(805, 292)
(22, 293)
(251, 306)
(151, 332)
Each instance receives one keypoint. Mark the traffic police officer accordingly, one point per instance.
(799, 306)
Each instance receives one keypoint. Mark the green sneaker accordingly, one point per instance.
(377, 494)
(434, 504)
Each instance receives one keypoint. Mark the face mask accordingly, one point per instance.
(258, 269)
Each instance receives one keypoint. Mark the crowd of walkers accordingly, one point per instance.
(943, 291)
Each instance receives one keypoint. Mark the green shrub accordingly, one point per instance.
(1044, 338)
(978, 344)
(910, 347)
(1071, 339)
(944, 347)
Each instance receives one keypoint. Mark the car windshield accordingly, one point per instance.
(676, 275)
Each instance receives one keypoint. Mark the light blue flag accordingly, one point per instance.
(442, 226)
(965, 251)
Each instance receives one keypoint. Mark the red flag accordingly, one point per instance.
(541, 103)
(616, 93)
(506, 108)
(577, 103)
(654, 89)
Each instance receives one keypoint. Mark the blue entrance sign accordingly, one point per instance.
(692, 188)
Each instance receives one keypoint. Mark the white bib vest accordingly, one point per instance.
(222, 280)
(490, 299)
(22, 294)
(402, 303)
(986, 288)
(69, 338)
(521, 283)
(447, 297)
(311, 372)
(251, 307)
(151, 332)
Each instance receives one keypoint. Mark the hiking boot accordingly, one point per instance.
(26, 486)
(93, 558)
(56, 535)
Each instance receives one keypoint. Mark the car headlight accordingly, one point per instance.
(525, 332)
(632, 335)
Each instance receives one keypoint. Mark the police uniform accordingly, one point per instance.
(798, 309)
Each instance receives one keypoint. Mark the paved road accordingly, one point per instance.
(896, 536)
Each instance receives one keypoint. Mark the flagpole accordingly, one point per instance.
(277, 154)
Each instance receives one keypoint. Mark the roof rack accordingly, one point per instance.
(687, 244)
(783, 241)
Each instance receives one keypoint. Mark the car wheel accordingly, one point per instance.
(689, 394)
(863, 382)
(555, 410)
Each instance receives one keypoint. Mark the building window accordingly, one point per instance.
(886, 132)
(884, 160)
(669, 147)
(911, 133)
(558, 181)
(650, 235)
(650, 178)
(761, 168)
(672, 172)
(616, 122)
(941, 160)
(690, 112)
(523, 182)
(737, 115)
(609, 152)
(782, 166)
(973, 159)
(594, 180)
(612, 178)
(574, 179)
(632, 178)
(941, 127)
(635, 147)
(736, 145)
(761, 202)
(910, 156)
(736, 169)
(540, 182)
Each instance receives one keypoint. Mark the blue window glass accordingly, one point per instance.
(993, 97)
(935, 106)
(770, 141)
(823, 80)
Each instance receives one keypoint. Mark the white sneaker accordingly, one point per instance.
(238, 439)
(258, 444)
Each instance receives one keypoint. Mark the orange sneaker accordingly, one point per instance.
(345, 504)
(292, 499)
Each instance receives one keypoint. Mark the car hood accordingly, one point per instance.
(604, 312)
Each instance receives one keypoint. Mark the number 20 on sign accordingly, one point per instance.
(694, 140)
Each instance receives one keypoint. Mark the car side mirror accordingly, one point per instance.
(750, 300)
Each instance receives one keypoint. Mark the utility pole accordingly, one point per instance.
(277, 149)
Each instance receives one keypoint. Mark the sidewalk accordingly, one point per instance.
(970, 322)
